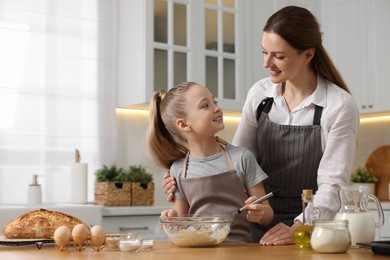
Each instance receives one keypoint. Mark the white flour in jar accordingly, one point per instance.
(330, 239)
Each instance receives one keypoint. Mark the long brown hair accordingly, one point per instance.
(300, 29)
(165, 143)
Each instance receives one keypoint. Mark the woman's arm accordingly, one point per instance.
(246, 132)
(336, 164)
(169, 186)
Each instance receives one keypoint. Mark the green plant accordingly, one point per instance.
(363, 175)
(112, 173)
(139, 174)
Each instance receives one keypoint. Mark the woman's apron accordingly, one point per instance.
(218, 194)
(290, 156)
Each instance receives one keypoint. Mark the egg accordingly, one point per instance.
(98, 237)
(80, 234)
(62, 236)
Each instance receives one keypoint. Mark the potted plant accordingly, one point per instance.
(363, 176)
(142, 186)
(112, 186)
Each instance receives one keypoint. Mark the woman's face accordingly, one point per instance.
(283, 61)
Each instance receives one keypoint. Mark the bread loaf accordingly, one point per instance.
(38, 224)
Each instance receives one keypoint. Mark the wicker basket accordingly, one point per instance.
(142, 194)
(113, 193)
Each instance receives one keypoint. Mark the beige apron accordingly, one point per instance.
(218, 194)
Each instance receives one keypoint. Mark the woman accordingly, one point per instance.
(213, 177)
(301, 123)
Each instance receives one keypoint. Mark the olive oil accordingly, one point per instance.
(302, 235)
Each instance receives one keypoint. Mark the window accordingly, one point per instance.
(57, 93)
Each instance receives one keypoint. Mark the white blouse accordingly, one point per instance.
(339, 122)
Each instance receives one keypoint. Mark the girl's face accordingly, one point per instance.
(204, 116)
(283, 60)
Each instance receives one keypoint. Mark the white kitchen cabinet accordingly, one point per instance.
(162, 43)
(356, 38)
(382, 233)
(144, 221)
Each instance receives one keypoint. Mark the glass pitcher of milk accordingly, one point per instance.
(354, 208)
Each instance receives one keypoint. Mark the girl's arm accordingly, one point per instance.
(180, 208)
(259, 213)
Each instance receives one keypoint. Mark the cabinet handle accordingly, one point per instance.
(364, 107)
(369, 106)
(126, 229)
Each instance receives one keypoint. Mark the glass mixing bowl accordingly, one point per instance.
(197, 230)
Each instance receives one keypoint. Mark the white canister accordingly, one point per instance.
(331, 236)
(34, 193)
(79, 183)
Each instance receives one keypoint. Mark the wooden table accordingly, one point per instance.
(167, 250)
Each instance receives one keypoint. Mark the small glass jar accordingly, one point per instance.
(331, 236)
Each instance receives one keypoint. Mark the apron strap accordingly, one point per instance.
(317, 115)
(225, 155)
(264, 106)
(184, 168)
(227, 158)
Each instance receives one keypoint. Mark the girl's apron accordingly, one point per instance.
(290, 156)
(218, 194)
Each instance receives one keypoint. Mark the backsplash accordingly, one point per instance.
(132, 149)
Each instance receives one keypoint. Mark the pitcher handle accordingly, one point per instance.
(379, 208)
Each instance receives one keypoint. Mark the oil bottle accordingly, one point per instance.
(302, 234)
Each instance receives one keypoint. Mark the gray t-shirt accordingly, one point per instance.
(243, 161)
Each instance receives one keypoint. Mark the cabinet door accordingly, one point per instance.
(378, 36)
(172, 46)
(146, 227)
(221, 39)
(384, 232)
(164, 42)
(354, 36)
(344, 25)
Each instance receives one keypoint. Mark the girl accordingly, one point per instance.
(213, 177)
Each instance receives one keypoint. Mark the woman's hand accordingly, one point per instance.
(169, 186)
(280, 234)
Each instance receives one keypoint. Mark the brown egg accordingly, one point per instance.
(98, 236)
(80, 234)
(62, 236)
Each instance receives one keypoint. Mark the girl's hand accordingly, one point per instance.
(169, 186)
(255, 212)
(169, 213)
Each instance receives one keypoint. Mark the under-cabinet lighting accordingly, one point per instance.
(374, 118)
(134, 112)
(145, 112)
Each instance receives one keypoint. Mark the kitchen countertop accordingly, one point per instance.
(167, 250)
